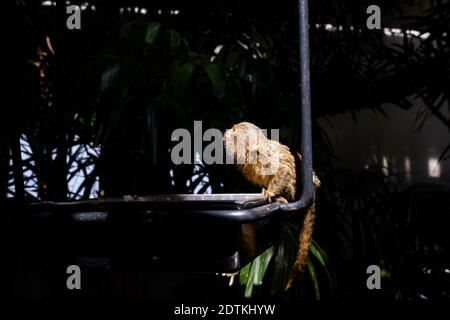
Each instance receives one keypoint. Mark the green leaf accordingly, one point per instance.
(183, 76)
(244, 273)
(322, 257)
(315, 251)
(263, 260)
(285, 253)
(109, 77)
(152, 33)
(174, 41)
(252, 274)
(216, 78)
(251, 282)
(313, 274)
(133, 30)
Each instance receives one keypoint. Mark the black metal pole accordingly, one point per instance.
(305, 109)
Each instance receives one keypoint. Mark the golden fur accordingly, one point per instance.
(275, 168)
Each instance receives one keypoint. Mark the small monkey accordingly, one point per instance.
(275, 168)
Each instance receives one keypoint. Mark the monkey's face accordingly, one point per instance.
(241, 139)
(230, 142)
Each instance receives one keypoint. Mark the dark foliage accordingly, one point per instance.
(101, 103)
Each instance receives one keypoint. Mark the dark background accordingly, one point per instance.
(92, 111)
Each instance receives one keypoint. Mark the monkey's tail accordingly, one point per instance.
(304, 243)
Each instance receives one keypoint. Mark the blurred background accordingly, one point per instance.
(92, 112)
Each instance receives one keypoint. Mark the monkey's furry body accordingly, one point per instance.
(274, 167)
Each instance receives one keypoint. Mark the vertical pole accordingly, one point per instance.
(305, 108)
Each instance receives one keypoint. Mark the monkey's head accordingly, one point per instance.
(240, 139)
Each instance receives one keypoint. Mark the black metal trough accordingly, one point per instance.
(211, 233)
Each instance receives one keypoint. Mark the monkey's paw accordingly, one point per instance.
(281, 200)
(267, 194)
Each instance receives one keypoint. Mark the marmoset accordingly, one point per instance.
(274, 167)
